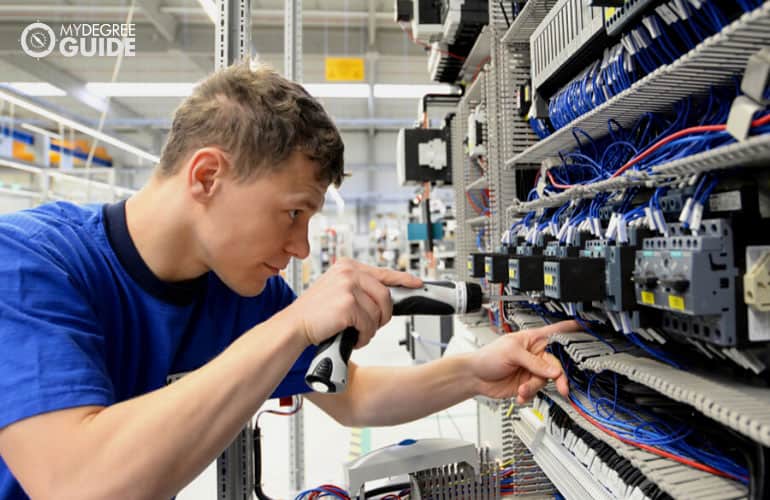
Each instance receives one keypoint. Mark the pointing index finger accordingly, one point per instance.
(545, 332)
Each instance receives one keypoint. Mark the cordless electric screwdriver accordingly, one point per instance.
(329, 370)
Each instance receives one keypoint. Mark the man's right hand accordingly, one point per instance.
(348, 294)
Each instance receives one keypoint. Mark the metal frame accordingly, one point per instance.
(233, 44)
(293, 71)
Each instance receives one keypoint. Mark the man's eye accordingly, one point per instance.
(293, 214)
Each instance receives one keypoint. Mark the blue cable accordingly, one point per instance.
(653, 352)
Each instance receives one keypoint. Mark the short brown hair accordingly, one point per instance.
(259, 118)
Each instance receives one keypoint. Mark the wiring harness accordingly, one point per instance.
(662, 428)
(660, 38)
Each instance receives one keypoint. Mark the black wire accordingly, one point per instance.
(257, 439)
(386, 489)
(502, 7)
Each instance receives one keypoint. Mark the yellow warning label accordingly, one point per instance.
(676, 302)
(648, 298)
(548, 279)
(538, 414)
(344, 69)
(470, 266)
(511, 274)
(486, 268)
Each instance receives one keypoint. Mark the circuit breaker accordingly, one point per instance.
(692, 278)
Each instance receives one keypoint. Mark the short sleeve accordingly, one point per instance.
(51, 347)
(294, 382)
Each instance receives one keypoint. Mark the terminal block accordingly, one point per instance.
(496, 267)
(693, 279)
(476, 265)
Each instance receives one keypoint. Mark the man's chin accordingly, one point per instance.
(250, 289)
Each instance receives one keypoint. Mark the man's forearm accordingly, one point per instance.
(394, 395)
(151, 446)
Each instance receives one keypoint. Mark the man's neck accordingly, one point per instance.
(159, 226)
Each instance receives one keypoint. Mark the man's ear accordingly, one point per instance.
(206, 169)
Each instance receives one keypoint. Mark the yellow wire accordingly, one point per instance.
(510, 410)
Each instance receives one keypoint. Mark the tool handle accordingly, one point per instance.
(328, 372)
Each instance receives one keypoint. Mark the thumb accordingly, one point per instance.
(535, 364)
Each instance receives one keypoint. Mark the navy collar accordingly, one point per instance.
(178, 293)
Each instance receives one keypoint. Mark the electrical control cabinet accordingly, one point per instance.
(616, 153)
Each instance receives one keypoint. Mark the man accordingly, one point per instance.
(98, 305)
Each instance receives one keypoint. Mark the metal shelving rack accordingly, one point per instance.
(513, 54)
(460, 180)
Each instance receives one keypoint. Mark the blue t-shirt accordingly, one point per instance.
(83, 320)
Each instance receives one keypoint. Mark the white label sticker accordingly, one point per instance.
(724, 202)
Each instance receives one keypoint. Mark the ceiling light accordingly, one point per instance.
(36, 89)
(140, 89)
(101, 136)
(338, 90)
(401, 91)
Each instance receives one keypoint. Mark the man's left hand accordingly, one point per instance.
(517, 364)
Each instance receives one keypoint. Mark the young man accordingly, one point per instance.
(98, 305)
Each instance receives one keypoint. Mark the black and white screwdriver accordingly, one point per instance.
(328, 372)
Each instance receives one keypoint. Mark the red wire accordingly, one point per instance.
(676, 135)
(657, 451)
(473, 204)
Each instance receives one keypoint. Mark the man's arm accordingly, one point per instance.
(151, 446)
(379, 396)
(515, 365)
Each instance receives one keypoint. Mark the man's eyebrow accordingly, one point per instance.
(306, 202)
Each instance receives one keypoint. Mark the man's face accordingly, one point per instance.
(252, 229)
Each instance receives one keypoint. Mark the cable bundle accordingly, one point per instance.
(660, 38)
(599, 398)
(696, 126)
(325, 490)
(481, 207)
